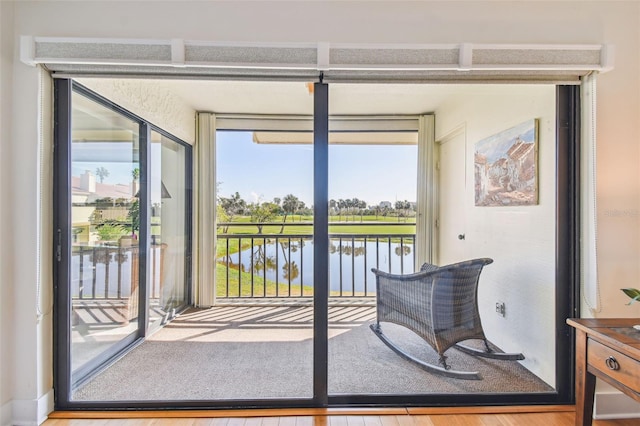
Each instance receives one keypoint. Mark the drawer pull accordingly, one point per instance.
(612, 363)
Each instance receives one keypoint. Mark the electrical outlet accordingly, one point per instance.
(500, 308)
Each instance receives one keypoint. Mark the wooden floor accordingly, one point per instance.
(555, 416)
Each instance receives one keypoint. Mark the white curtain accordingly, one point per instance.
(204, 232)
(425, 236)
(44, 298)
(589, 233)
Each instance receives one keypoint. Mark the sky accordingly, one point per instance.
(261, 172)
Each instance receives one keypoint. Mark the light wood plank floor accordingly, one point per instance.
(462, 419)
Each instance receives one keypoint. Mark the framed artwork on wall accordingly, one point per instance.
(506, 167)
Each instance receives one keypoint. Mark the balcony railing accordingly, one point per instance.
(255, 265)
(111, 272)
(269, 265)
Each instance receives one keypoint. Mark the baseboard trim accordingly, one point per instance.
(307, 412)
(46, 404)
(6, 414)
(614, 405)
(26, 412)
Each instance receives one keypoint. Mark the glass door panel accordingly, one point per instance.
(372, 217)
(169, 246)
(489, 182)
(104, 230)
(263, 321)
(264, 261)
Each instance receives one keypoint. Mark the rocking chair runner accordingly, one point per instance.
(440, 305)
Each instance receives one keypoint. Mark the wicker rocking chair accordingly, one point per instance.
(440, 305)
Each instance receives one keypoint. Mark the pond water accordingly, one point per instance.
(350, 262)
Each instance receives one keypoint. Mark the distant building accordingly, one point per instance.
(386, 204)
(95, 202)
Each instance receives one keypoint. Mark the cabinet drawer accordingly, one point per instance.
(614, 364)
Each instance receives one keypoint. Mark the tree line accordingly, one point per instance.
(264, 212)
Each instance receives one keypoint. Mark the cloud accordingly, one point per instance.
(256, 197)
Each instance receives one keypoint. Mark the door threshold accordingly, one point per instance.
(284, 412)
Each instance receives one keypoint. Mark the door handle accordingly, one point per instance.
(461, 236)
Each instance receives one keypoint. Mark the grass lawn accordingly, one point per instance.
(258, 285)
(369, 225)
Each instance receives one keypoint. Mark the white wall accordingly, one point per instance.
(520, 240)
(394, 22)
(30, 250)
(6, 274)
(618, 154)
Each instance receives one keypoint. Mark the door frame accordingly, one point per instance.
(65, 380)
(567, 276)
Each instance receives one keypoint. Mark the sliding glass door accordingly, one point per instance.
(103, 194)
(295, 297)
(122, 234)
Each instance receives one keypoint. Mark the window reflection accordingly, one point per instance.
(168, 228)
(105, 171)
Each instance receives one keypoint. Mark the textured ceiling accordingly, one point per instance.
(247, 97)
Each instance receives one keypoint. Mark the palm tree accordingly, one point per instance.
(403, 208)
(135, 185)
(301, 210)
(333, 204)
(348, 203)
(355, 205)
(377, 209)
(102, 173)
(110, 232)
(342, 204)
(290, 206)
(362, 205)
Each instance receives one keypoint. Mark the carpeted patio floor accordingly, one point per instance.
(255, 352)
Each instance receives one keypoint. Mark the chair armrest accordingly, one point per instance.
(428, 267)
(403, 277)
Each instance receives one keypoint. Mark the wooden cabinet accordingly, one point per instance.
(608, 349)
